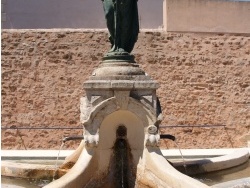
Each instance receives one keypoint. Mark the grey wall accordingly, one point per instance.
(33, 14)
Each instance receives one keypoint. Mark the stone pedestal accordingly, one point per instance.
(120, 86)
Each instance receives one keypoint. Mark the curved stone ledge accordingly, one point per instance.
(33, 171)
(238, 157)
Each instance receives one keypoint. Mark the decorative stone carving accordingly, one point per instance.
(95, 99)
(152, 140)
(152, 129)
(149, 99)
(122, 98)
(85, 108)
(152, 137)
(91, 140)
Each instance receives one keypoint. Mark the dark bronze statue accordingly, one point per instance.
(123, 24)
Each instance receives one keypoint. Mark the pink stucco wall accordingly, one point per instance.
(204, 80)
(219, 16)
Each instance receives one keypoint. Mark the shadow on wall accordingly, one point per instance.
(47, 14)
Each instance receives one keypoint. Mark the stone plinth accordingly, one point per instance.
(119, 86)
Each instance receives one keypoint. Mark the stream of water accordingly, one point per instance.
(184, 162)
(56, 165)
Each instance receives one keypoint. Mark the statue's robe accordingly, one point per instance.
(122, 22)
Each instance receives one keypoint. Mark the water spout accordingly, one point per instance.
(167, 136)
(72, 138)
(63, 142)
(171, 137)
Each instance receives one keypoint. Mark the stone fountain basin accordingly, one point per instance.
(218, 159)
(205, 165)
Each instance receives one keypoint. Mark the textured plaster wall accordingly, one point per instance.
(204, 78)
(207, 16)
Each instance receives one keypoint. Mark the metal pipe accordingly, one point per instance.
(161, 127)
(167, 136)
(191, 126)
(39, 128)
(72, 138)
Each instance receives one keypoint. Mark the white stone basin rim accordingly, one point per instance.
(159, 173)
(169, 153)
(34, 171)
(231, 158)
(238, 157)
(153, 170)
(79, 174)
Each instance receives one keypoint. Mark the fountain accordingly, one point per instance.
(121, 115)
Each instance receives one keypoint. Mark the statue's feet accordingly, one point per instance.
(117, 51)
(119, 55)
(121, 50)
(113, 49)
